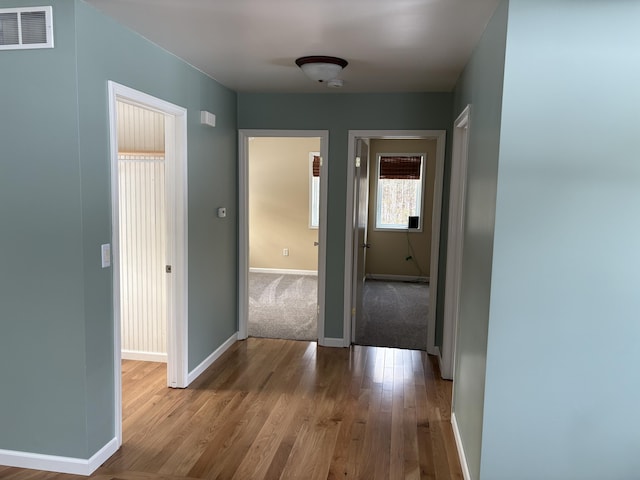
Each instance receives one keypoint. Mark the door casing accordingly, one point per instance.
(458, 195)
(177, 230)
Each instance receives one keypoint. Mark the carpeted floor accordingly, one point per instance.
(394, 315)
(283, 306)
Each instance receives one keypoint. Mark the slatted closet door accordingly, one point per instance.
(141, 174)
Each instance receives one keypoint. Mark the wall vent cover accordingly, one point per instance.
(22, 28)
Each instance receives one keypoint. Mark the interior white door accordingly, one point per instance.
(453, 280)
(360, 245)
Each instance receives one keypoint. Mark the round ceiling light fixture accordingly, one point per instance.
(322, 69)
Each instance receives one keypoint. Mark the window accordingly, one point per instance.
(314, 189)
(399, 186)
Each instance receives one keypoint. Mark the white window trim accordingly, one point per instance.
(423, 175)
(311, 226)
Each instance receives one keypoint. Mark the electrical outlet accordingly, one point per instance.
(285, 252)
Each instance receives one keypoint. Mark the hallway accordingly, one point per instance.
(285, 409)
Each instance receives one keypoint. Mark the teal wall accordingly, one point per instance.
(562, 383)
(480, 85)
(109, 51)
(56, 344)
(42, 334)
(339, 113)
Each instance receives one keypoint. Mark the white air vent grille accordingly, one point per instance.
(22, 28)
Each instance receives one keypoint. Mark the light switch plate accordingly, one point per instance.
(222, 212)
(105, 253)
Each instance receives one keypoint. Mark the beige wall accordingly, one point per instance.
(388, 252)
(279, 203)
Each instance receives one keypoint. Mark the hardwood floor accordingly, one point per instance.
(272, 409)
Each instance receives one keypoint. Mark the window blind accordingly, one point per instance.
(400, 168)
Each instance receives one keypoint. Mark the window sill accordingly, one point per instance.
(397, 230)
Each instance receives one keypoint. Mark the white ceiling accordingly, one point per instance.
(251, 45)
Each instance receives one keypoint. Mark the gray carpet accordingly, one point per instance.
(283, 306)
(394, 315)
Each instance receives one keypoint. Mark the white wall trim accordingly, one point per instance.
(397, 278)
(283, 271)
(436, 220)
(144, 356)
(463, 459)
(53, 463)
(334, 343)
(243, 221)
(207, 362)
(243, 235)
(455, 241)
(115, 264)
(177, 246)
(177, 344)
(440, 137)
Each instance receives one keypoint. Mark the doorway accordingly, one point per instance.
(282, 234)
(148, 178)
(403, 237)
(143, 232)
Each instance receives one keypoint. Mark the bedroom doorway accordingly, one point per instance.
(391, 300)
(282, 225)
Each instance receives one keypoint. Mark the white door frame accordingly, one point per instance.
(455, 241)
(243, 219)
(355, 227)
(176, 195)
(440, 137)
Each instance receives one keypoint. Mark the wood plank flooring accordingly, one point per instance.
(281, 409)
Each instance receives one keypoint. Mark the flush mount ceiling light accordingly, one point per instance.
(323, 69)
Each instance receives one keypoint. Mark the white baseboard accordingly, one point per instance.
(463, 459)
(283, 271)
(53, 463)
(207, 362)
(333, 342)
(143, 356)
(397, 278)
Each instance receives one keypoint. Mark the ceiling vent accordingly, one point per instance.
(30, 27)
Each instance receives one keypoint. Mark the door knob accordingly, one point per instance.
(366, 245)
